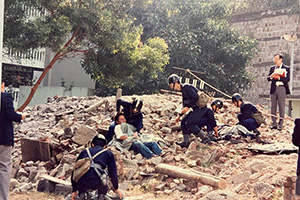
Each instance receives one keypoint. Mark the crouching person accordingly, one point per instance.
(246, 116)
(91, 179)
(128, 139)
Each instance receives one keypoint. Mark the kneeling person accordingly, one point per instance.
(246, 116)
(129, 139)
(91, 180)
(209, 121)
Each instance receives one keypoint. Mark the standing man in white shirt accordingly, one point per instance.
(279, 89)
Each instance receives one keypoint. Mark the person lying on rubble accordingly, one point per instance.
(133, 114)
(91, 180)
(234, 133)
(246, 116)
(189, 100)
(208, 120)
(126, 137)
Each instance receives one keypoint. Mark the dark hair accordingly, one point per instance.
(117, 116)
(280, 56)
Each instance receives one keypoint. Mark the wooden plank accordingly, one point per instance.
(35, 150)
(55, 180)
(171, 92)
(203, 178)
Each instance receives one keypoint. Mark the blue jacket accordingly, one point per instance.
(111, 132)
(135, 119)
(91, 180)
(189, 95)
(7, 116)
(247, 110)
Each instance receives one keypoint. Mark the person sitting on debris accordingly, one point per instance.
(189, 122)
(246, 116)
(296, 142)
(132, 112)
(91, 180)
(133, 115)
(127, 138)
(209, 121)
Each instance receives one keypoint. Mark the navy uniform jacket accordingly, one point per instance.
(209, 115)
(135, 119)
(247, 109)
(7, 116)
(91, 180)
(189, 95)
(285, 80)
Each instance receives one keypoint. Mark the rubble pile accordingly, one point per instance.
(69, 123)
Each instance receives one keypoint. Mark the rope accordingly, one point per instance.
(202, 82)
(216, 89)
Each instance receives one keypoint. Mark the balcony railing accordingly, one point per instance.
(33, 58)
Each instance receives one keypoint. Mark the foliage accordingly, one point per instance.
(200, 38)
(102, 30)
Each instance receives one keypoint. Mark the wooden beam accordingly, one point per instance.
(188, 174)
(55, 180)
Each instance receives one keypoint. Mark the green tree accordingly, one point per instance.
(100, 29)
(200, 38)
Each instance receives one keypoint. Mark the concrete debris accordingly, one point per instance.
(69, 123)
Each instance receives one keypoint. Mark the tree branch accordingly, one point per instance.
(55, 58)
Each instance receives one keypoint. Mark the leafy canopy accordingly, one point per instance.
(200, 38)
(101, 31)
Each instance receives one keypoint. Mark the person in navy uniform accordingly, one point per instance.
(189, 99)
(133, 114)
(90, 180)
(209, 121)
(296, 142)
(7, 117)
(246, 116)
(279, 90)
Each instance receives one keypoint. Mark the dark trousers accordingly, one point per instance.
(249, 123)
(189, 122)
(205, 122)
(278, 96)
(297, 192)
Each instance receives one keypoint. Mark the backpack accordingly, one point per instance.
(259, 118)
(202, 100)
(83, 165)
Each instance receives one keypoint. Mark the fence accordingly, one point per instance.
(15, 94)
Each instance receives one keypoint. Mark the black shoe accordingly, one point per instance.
(212, 138)
(279, 128)
(256, 132)
(206, 141)
(273, 127)
(183, 144)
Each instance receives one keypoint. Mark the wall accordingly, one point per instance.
(268, 27)
(70, 70)
(42, 93)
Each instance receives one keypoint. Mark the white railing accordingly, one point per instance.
(15, 94)
(33, 58)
